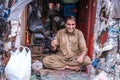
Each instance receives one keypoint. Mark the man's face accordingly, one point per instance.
(70, 25)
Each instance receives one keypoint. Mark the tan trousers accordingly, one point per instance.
(59, 62)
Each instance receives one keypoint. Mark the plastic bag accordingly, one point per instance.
(17, 9)
(116, 10)
(19, 65)
(36, 66)
(101, 76)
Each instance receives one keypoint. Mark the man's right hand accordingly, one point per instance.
(54, 44)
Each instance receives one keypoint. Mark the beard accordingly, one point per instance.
(70, 30)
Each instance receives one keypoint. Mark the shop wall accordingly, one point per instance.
(86, 14)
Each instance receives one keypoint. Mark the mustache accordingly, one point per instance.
(70, 28)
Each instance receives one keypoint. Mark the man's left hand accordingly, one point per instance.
(80, 59)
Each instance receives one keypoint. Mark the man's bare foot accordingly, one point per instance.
(73, 68)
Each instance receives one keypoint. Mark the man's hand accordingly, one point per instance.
(54, 44)
(80, 59)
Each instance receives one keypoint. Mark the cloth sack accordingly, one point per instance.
(36, 66)
(19, 64)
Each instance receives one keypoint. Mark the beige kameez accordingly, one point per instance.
(69, 49)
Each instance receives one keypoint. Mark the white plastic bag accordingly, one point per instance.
(19, 65)
(101, 76)
(17, 9)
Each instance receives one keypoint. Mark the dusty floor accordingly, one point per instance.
(45, 74)
(60, 75)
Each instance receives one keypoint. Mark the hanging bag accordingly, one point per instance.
(116, 10)
(101, 76)
(34, 22)
(19, 65)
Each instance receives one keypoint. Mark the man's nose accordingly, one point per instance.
(71, 26)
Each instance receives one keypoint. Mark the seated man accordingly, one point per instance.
(71, 47)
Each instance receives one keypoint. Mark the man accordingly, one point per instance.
(71, 47)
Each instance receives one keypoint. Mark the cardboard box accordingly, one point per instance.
(36, 50)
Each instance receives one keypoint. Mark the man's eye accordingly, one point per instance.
(71, 24)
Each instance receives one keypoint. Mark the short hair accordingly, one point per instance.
(70, 18)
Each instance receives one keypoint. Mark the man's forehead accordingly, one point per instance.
(70, 21)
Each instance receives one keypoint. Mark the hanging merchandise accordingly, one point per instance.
(111, 60)
(14, 28)
(70, 10)
(54, 5)
(14, 36)
(5, 14)
(5, 32)
(69, 1)
(47, 44)
(116, 10)
(54, 9)
(118, 40)
(1, 64)
(117, 65)
(101, 76)
(19, 64)
(51, 5)
(38, 39)
(54, 18)
(4, 10)
(2, 27)
(7, 46)
(17, 9)
(37, 5)
(34, 22)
